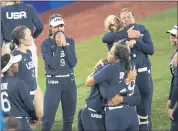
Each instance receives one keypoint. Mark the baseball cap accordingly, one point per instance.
(7, 60)
(174, 30)
(56, 21)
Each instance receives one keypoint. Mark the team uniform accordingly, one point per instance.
(139, 55)
(16, 101)
(21, 14)
(60, 82)
(92, 116)
(27, 71)
(173, 95)
(117, 116)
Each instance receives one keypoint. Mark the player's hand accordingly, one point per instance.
(170, 114)
(60, 39)
(131, 43)
(100, 62)
(175, 60)
(133, 33)
(168, 104)
(131, 76)
(63, 39)
(117, 99)
(34, 123)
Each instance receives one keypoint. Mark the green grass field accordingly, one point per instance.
(91, 50)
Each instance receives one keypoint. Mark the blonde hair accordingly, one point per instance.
(112, 24)
(12, 2)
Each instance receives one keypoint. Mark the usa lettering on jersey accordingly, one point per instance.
(16, 15)
(53, 82)
(30, 65)
(94, 115)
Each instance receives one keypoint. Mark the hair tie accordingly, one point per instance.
(111, 25)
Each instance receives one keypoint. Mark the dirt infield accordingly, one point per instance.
(85, 19)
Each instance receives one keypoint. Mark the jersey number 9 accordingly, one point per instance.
(131, 87)
(62, 62)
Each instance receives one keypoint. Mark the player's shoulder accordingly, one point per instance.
(47, 41)
(176, 71)
(15, 81)
(18, 81)
(15, 52)
(109, 66)
(29, 52)
(29, 5)
(138, 27)
(68, 38)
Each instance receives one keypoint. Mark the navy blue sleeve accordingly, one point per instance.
(52, 59)
(104, 88)
(112, 37)
(1, 39)
(138, 27)
(27, 101)
(170, 92)
(145, 44)
(174, 96)
(70, 53)
(105, 74)
(36, 21)
(133, 97)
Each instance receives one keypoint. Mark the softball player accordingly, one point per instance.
(15, 98)
(173, 95)
(15, 13)
(58, 52)
(140, 49)
(116, 116)
(92, 117)
(22, 37)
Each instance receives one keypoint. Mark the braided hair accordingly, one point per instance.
(18, 33)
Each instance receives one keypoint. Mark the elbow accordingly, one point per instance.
(74, 63)
(89, 82)
(40, 27)
(152, 51)
(104, 40)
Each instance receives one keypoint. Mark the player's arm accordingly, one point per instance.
(133, 99)
(26, 99)
(105, 74)
(70, 53)
(170, 92)
(112, 37)
(52, 59)
(36, 21)
(145, 44)
(174, 96)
